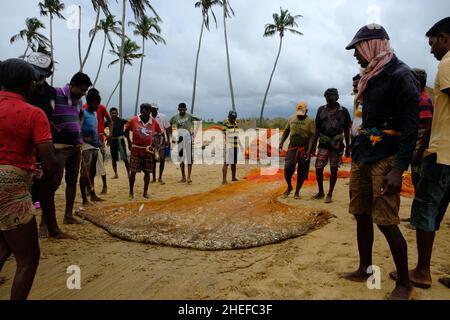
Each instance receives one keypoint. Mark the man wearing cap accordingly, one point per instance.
(44, 97)
(333, 124)
(24, 130)
(382, 151)
(231, 132)
(162, 141)
(301, 132)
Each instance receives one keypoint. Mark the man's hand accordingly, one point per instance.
(417, 158)
(307, 157)
(392, 182)
(348, 151)
(280, 147)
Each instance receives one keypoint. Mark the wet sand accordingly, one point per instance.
(301, 268)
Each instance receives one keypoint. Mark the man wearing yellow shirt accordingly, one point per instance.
(433, 192)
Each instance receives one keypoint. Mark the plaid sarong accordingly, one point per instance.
(16, 206)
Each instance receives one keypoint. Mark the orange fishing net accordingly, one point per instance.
(242, 215)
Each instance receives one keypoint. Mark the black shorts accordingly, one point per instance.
(115, 148)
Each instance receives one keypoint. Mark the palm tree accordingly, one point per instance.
(144, 29)
(31, 34)
(99, 6)
(130, 53)
(51, 8)
(206, 6)
(281, 23)
(108, 26)
(227, 12)
(138, 7)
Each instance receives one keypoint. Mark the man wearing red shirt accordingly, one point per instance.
(23, 129)
(144, 128)
(102, 114)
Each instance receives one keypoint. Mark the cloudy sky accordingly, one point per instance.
(308, 64)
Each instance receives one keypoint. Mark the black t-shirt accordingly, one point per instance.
(332, 124)
(44, 98)
(118, 127)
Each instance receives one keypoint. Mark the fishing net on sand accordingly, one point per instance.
(243, 215)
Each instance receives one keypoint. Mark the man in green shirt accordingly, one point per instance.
(184, 123)
(301, 131)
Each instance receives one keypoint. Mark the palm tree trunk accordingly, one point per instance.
(194, 89)
(92, 39)
(25, 53)
(122, 54)
(51, 45)
(79, 39)
(270, 82)
(228, 54)
(101, 61)
(140, 76)
(115, 89)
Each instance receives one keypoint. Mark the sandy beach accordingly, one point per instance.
(300, 268)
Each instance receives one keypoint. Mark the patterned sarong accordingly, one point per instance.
(16, 206)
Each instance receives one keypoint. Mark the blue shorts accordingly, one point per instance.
(432, 195)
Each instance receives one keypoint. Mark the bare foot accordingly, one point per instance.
(2, 280)
(72, 220)
(130, 196)
(189, 181)
(85, 203)
(59, 235)
(161, 182)
(146, 196)
(153, 181)
(410, 227)
(445, 282)
(235, 180)
(296, 196)
(418, 279)
(104, 191)
(329, 199)
(115, 177)
(356, 276)
(287, 193)
(403, 293)
(97, 199)
(43, 231)
(224, 182)
(183, 180)
(318, 196)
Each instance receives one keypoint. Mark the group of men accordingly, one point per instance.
(395, 125)
(49, 126)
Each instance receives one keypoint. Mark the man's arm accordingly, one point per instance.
(46, 153)
(128, 128)
(110, 125)
(424, 142)
(317, 132)
(286, 133)
(407, 100)
(312, 136)
(347, 128)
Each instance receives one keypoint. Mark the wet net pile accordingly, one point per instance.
(242, 215)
